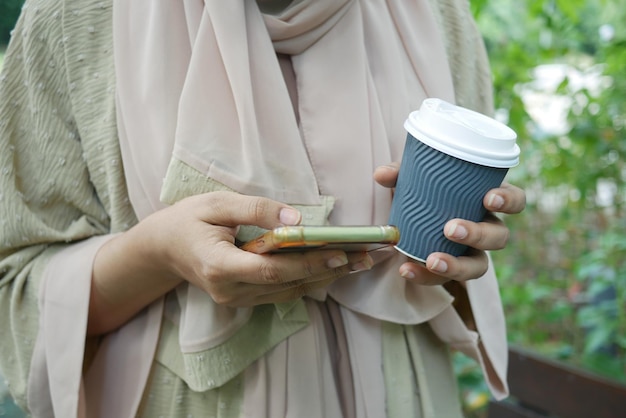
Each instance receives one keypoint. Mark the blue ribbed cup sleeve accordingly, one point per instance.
(432, 188)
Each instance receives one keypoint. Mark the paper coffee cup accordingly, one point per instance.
(453, 156)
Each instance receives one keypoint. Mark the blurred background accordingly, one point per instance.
(559, 69)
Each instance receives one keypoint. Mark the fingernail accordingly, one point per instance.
(407, 273)
(439, 266)
(364, 264)
(289, 216)
(456, 231)
(337, 261)
(495, 201)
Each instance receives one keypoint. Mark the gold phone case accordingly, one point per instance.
(347, 238)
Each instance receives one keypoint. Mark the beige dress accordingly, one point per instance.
(347, 352)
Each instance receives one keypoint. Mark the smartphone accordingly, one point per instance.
(347, 238)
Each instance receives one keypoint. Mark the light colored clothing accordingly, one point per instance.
(62, 176)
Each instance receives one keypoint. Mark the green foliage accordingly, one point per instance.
(603, 269)
(9, 11)
(563, 275)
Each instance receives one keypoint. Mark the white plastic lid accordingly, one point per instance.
(464, 134)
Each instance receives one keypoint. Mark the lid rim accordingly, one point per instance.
(486, 159)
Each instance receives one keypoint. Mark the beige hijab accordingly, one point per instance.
(207, 86)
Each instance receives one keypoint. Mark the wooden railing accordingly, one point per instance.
(542, 387)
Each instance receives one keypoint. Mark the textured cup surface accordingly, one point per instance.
(452, 157)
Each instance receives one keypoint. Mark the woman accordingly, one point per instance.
(144, 137)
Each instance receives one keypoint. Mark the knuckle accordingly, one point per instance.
(480, 266)
(215, 203)
(221, 298)
(308, 267)
(490, 237)
(259, 208)
(330, 274)
(269, 273)
(504, 240)
(482, 272)
(213, 286)
(455, 274)
(339, 271)
(210, 278)
(478, 272)
(300, 290)
(480, 238)
(208, 274)
(211, 199)
(334, 273)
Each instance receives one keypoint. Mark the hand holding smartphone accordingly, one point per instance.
(301, 238)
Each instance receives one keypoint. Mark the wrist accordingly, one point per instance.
(127, 276)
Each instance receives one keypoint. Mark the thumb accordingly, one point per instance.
(233, 209)
(387, 175)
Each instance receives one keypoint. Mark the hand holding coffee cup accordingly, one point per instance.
(453, 156)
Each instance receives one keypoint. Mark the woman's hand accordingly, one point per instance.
(194, 240)
(200, 248)
(490, 234)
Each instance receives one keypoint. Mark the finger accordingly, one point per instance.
(387, 175)
(490, 234)
(472, 265)
(246, 294)
(232, 209)
(505, 199)
(280, 269)
(299, 288)
(442, 267)
(418, 273)
(303, 284)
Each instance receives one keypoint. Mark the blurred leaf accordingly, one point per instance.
(597, 338)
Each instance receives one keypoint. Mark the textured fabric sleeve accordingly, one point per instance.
(467, 55)
(47, 198)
